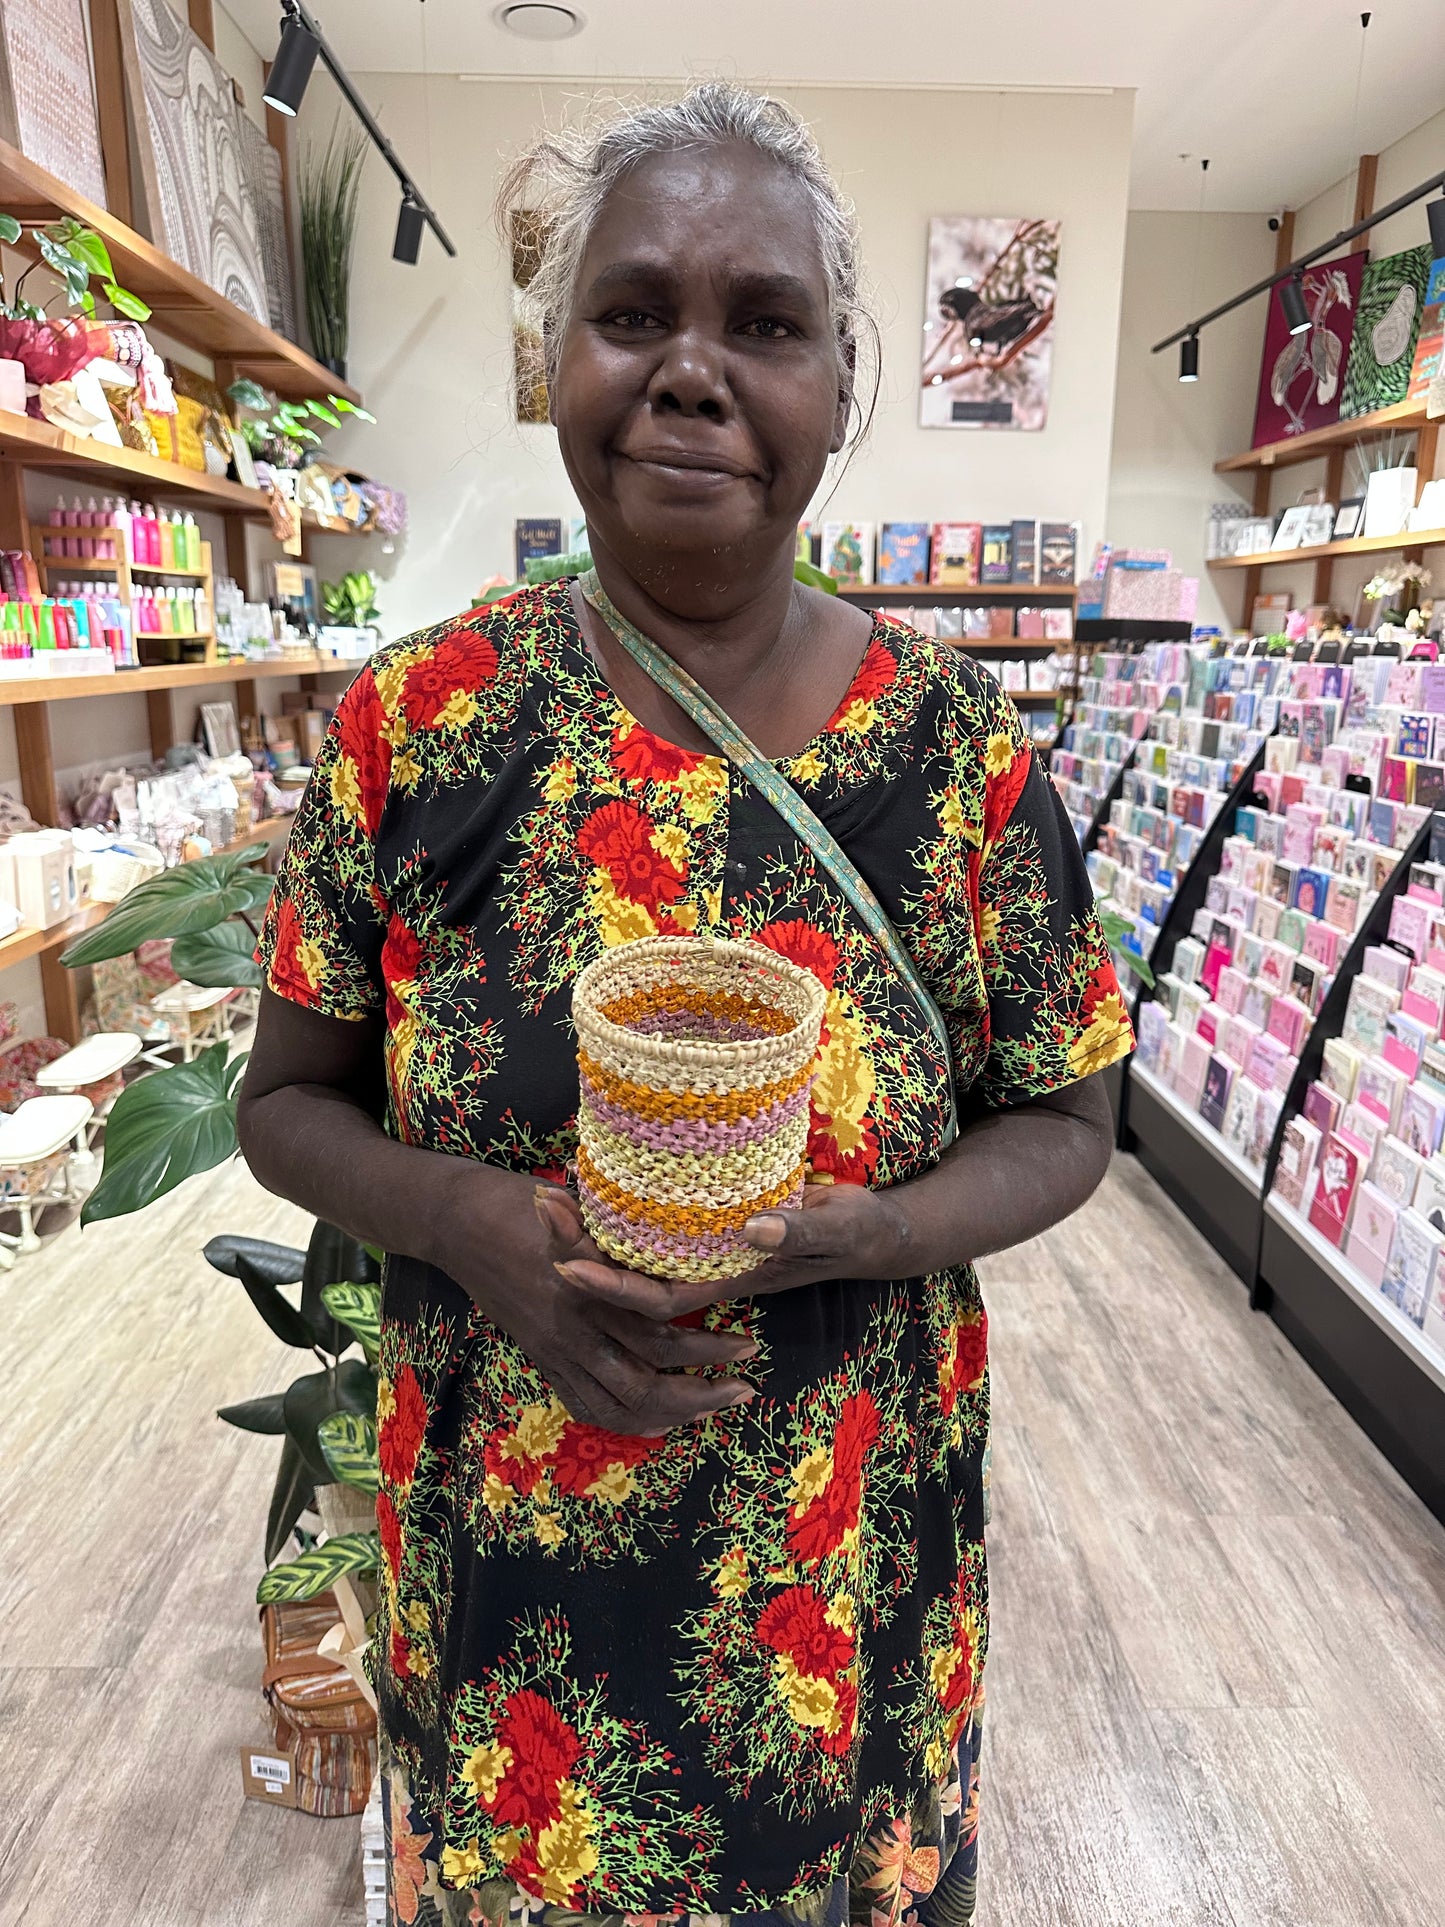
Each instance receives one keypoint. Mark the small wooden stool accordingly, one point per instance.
(34, 1170)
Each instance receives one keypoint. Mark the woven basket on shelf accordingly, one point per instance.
(696, 1061)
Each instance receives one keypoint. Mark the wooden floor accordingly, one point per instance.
(1217, 1691)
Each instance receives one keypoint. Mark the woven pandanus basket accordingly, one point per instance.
(696, 1061)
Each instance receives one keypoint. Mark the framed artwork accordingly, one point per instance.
(192, 160)
(1387, 322)
(47, 101)
(263, 181)
(1302, 377)
(988, 318)
(529, 230)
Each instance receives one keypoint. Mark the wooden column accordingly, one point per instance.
(1325, 567)
(203, 24)
(278, 132)
(161, 715)
(62, 1003)
(110, 108)
(37, 761)
(1365, 172)
(14, 516)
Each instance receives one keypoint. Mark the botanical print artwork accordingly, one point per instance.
(1302, 377)
(47, 101)
(737, 1669)
(988, 318)
(191, 154)
(1387, 321)
(264, 186)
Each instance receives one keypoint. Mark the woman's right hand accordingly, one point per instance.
(611, 1367)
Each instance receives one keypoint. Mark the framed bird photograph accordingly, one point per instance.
(1302, 377)
(988, 322)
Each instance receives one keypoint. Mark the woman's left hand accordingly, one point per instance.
(841, 1231)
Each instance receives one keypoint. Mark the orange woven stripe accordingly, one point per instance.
(681, 1217)
(725, 1004)
(664, 1107)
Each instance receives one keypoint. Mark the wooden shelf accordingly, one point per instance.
(1032, 698)
(961, 593)
(181, 675)
(183, 304)
(1355, 545)
(1402, 417)
(42, 445)
(100, 565)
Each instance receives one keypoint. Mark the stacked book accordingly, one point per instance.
(951, 555)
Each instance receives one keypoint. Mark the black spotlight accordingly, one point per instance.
(291, 69)
(1292, 304)
(1189, 358)
(1435, 214)
(410, 226)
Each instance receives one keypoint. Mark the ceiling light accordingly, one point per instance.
(410, 226)
(1292, 305)
(291, 69)
(1189, 358)
(539, 20)
(1435, 214)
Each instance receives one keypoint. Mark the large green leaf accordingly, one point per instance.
(163, 1129)
(358, 1307)
(347, 1387)
(317, 1571)
(331, 1256)
(193, 896)
(88, 247)
(295, 1489)
(266, 1414)
(9, 229)
(282, 1264)
(812, 577)
(348, 1443)
(219, 959)
(279, 1313)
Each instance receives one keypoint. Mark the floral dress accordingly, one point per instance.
(736, 1670)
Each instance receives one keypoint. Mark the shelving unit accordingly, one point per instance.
(1403, 543)
(1402, 417)
(150, 646)
(25, 691)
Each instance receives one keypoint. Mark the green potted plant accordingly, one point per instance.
(51, 348)
(329, 189)
(280, 432)
(351, 602)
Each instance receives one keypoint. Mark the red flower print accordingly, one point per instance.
(287, 965)
(400, 1434)
(618, 839)
(401, 956)
(1104, 983)
(544, 1751)
(640, 757)
(1001, 793)
(828, 1159)
(877, 672)
(584, 1453)
(964, 1371)
(802, 944)
(838, 1743)
(461, 663)
(832, 1513)
(400, 1656)
(388, 1528)
(360, 720)
(794, 1623)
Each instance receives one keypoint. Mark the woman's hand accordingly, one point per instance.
(610, 1365)
(842, 1231)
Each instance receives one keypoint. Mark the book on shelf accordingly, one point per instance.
(955, 555)
(535, 536)
(996, 565)
(1058, 554)
(903, 553)
(848, 553)
(1026, 553)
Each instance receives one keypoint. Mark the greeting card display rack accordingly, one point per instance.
(986, 595)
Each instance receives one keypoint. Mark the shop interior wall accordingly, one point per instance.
(431, 345)
(1168, 434)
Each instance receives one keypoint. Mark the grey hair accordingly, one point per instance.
(551, 198)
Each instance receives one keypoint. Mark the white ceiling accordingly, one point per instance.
(1264, 88)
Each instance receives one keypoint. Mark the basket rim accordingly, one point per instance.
(702, 1054)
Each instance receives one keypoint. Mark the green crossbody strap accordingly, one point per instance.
(719, 728)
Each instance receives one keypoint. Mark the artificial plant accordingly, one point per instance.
(329, 189)
(77, 255)
(280, 432)
(351, 602)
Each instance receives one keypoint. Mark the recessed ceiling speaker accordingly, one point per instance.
(539, 20)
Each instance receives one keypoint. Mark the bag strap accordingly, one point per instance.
(720, 729)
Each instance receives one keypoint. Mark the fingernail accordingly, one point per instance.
(568, 1272)
(748, 1393)
(767, 1231)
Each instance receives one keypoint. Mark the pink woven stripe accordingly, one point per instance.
(692, 1133)
(697, 1025)
(649, 1238)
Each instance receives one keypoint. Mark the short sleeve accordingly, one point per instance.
(321, 944)
(1055, 1011)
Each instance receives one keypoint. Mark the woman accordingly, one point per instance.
(656, 1639)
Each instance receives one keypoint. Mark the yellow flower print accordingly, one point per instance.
(537, 1431)
(506, 1845)
(418, 1617)
(988, 923)
(732, 1574)
(809, 1479)
(346, 787)
(564, 1850)
(935, 1758)
(950, 812)
(998, 754)
(311, 960)
(497, 1495)
(840, 1612)
(391, 678)
(858, 718)
(394, 730)
(462, 1866)
(549, 1529)
(712, 903)
(619, 920)
(1106, 1038)
(942, 1666)
(385, 1400)
(405, 771)
(486, 1768)
(457, 711)
(807, 768)
(685, 916)
(420, 1662)
(614, 1485)
(671, 841)
(561, 783)
(845, 1083)
(810, 1700)
(702, 789)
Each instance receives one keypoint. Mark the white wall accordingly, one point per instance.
(1168, 434)
(431, 345)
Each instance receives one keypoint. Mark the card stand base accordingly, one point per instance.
(1393, 1391)
(1178, 1149)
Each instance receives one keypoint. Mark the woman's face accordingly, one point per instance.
(697, 390)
